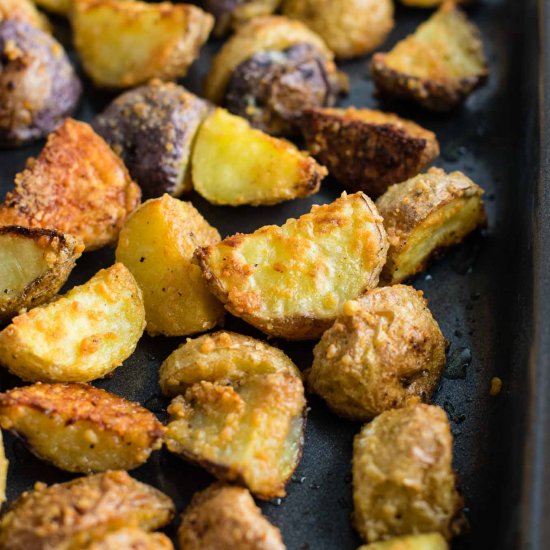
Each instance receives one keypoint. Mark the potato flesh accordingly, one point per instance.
(234, 164)
(82, 336)
(430, 541)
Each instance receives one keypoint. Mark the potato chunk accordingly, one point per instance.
(80, 428)
(438, 66)
(368, 150)
(24, 10)
(403, 459)
(224, 516)
(424, 215)
(292, 281)
(123, 44)
(60, 515)
(222, 357)
(430, 541)
(3, 470)
(82, 336)
(157, 245)
(385, 351)
(234, 164)
(34, 265)
(128, 538)
(77, 185)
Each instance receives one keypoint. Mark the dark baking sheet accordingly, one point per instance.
(487, 295)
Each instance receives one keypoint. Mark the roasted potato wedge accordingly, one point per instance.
(34, 265)
(24, 10)
(124, 44)
(3, 470)
(152, 128)
(222, 357)
(157, 244)
(127, 538)
(234, 164)
(59, 515)
(438, 66)
(350, 28)
(424, 215)
(384, 351)
(368, 150)
(430, 541)
(292, 281)
(403, 459)
(82, 336)
(80, 428)
(239, 523)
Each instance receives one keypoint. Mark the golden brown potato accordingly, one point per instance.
(438, 66)
(430, 541)
(123, 44)
(3, 470)
(424, 215)
(127, 538)
(385, 351)
(84, 335)
(234, 164)
(403, 478)
(368, 150)
(292, 281)
(24, 10)
(59, 515)
(157, 244)
(226, 517)
(34, 265)
(350, 28)
(77, 185)
(80, 428)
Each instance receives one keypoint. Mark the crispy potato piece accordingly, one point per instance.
(430, 541)
(127, 538)
(385, 351)
(152, 128)
(80, 428)
(24, 10)
(292, 281)
(82, 336)
(234, 164)
(157, 245)
(403, 459)
(34, 265)
(238, 524)
(4, 464)
(123, 44)
(222, 357)
(77, 185)
(368, 150)
(438, 66)
(59, 515)
(424, 215)
(350, 28)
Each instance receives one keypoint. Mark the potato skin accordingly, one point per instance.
(385, 351)
(415, 212)
(238, 524)
(350, 28)
(34, 265)
(77, 185)
(403, 458)
(368, 150)
(61, 514)
(296, 291)
(24, 10)
(428, 541)
(80, 428)
(38, 86)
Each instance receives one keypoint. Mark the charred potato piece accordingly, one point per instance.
(292, 280)
(385, 351)
(128, 538)
(350, 28)
(80, 428)
(77, 185)
(234, 164)
(82, 336)
(239, 523)
(403, 478)
(34, 265)
(152, 128)
(3, 470)
(368, 150)
(38, 86)
(24, 10)
(430, 541)
(438, 66)
(157, 244)
(60, 515)
(124, 44)
(424, 215)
